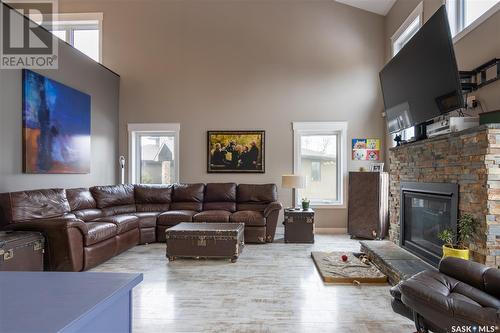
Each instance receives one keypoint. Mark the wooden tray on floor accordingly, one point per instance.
(333, 270)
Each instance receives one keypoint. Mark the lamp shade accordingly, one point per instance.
(293, 181)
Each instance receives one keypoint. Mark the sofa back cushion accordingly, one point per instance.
(187, 197)
(114, 199)
(255, 197)
(220, 196)
(31, 205)
(80, 198)
(153, 198)
(83, 204)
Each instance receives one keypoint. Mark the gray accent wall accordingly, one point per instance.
(80, 72)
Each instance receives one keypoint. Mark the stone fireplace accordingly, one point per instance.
(469, 162)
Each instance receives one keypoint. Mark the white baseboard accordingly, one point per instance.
(331, 231)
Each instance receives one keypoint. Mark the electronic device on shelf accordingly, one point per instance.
(444, 125)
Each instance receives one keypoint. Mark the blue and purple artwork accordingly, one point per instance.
(56, 126)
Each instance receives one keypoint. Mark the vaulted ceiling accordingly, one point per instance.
(380, 7)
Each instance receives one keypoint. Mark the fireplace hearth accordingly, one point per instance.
(427, 209)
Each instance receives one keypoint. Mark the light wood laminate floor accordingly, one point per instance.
(272, 288)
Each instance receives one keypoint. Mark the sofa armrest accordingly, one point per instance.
(272, 207)
(271, 213)
(64, 241)
(469, 272)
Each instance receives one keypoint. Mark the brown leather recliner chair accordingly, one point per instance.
(461, 293)
(85, 227)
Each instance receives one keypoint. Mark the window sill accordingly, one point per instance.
(490, 12)
(330, 206)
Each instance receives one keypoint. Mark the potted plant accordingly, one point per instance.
(456, 244)
(305, 203)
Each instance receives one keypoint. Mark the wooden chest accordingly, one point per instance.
(205, 240)
(21, 251)
(299, 226)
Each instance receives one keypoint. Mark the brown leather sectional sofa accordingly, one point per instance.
(85, 227)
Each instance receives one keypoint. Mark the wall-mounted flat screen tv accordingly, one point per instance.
(422, 81)
(56, 126)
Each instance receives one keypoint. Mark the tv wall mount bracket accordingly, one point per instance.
(483, 75)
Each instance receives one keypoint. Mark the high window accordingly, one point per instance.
(154, 153)
(465, 15)
(408, 29)
(320, 157)
(83, 31)
(405, 32)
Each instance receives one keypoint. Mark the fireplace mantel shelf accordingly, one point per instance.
(448, 135)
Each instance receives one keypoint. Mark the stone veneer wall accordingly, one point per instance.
(470, 158)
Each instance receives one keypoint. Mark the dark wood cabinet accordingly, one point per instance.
(368, 211)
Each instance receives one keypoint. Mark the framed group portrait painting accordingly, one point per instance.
(236, 151)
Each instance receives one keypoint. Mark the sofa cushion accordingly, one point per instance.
(228, 206)
(212, 216)
(147, 219)
(255, 197)
(30, 205)
(265, 193)
(80, 198)
(119, 210)
(188, 197)
(153, 198)
(115, 195)
(220, 196)
(123, 223)
(88, 214)
(174, 217)
(99, 231)
(220, 192)
(249, 217)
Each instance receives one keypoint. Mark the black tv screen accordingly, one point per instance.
(422, 81)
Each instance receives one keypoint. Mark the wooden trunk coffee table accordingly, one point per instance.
(205, 240)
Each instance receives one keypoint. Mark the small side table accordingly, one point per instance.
(299, 226)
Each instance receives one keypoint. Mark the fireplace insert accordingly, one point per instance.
(427, 209)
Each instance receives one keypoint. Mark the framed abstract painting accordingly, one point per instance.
(56, 127)
(236, 152)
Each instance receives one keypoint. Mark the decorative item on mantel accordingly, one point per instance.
(456, 244)
(293, 182)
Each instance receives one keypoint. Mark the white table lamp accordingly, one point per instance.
(293, 182)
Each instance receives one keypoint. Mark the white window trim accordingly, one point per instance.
(476, 23)
(141, 128)
(65, 19)
(418, 12)
(300, 128)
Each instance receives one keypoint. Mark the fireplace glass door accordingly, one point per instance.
(425, 216)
